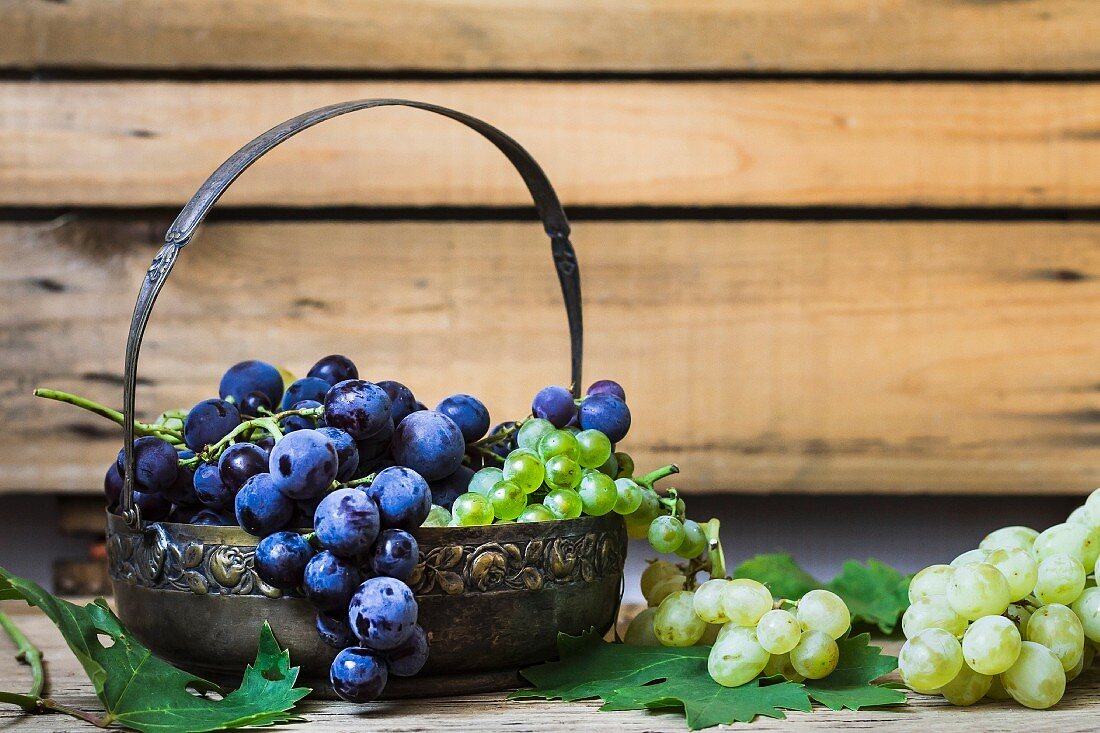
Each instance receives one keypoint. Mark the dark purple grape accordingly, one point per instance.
(374, 466)
(281, 559)
(607, 386)
(241, 462)
(376, 445)
(358, 675)
(357, 407)
(334, 630)
(303, 464)
(330, 581)
(410, 657)
(419, 406)
(156, 465)
(182, 490)
(267, 443)
(382, 613)
(208, 422)
(292, 423)
(255, 403)
(554, 404)
(347, 452)
(469, 414)
(153, 507)
(261, 508)
(112, 487)
(210, 518)
(429, 443)
(401, 400)
(209, 488)
(251, 376)
(309, 388)
(446, 490)
(395, 555)
(333, 369)
(403, 497)
(346, 522)
(606, 413)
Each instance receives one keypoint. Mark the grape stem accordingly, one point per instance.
(499, 437)
(174, 437)
(654, 476)
(717, 556)
(269, 424)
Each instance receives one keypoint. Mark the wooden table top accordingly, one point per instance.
(491, 712)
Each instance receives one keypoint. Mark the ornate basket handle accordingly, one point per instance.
(183, 228)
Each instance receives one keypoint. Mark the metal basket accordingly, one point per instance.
(492, 599)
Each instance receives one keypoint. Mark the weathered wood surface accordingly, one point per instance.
(491, 712)
(556, 35)
(602, 143)
(762, 357)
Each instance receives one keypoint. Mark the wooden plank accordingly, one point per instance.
(556, 35)
(491, 712)
(762, 357)
(603, 144)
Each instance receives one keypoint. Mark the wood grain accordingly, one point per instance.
(554, 35)
(762, 357)
(492, 713)
(602, 144)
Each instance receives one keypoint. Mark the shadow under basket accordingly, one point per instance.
(492, 599)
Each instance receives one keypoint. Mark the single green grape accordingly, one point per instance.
(472, 510)
(666, 533)
(1019, 568)
(675, 623)
(593, 448)
(967, 688)
(610, 466)
(484, 480)
(536, 513)
(695, 540)
(931, 612)
(1059, 579)
(736, 657)
(930, 660)
(626, 465)
(778, 631)
(816, 655)
(825, 611)
(508, 500)
(524, 468)
(991, 644)
(597, 492)
(1059, 629)
(1022, 538)
(437, 517)
(1037, 679)
(640, 632)
(745, 601)
(656, 573)
(638, 521)
(564, 503)
(628, 496)
(558, 443)
(1087, 608)
(708, 600)
(977, 589)
(532, 431)
(562, 472)
(1075, 540)
(930, 582)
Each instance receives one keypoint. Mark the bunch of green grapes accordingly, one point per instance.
(749, 632)
(1018, 618)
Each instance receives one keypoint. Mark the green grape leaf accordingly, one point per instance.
(145, 693)
(665, 678)
(784, 577)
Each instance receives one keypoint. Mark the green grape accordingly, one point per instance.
(930, 582)
(558, 443)
(626, 465)
(638, 521)
(1057, 628)
(437, 517)
(1080, 515)
(1037, 679)
(708, 601)
(640, 631)
(970, 556)
(563, 503)
(991, 645)
(484, 480)
(593, 448)
(532, 431)
(572, 430)
(508, 500)
(695, 540)
(610, 466)
(666, 533)
(822, 610)
(997, 690)
(1061, 579)
(1075, 540)
(1019, 569)
(1022, 538)
(778, 631)
(597, 492)
(472, 510)
(967, 688)
(665, 588)
(1085, 663)
(745, 601)
(931, 613)
(562, 472)
(675, 622)
(930, 660)
(736, 657)
(657, 571)
(977, 589)
(536, 513)
(1092, 508)
(1087, 608)
(524, 468)
(628, 496)
(816, 655)
(780, 664)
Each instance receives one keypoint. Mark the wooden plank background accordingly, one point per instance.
(845, 247)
